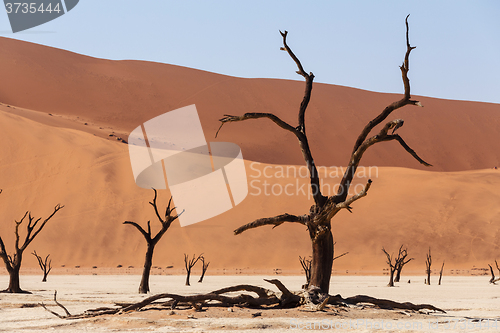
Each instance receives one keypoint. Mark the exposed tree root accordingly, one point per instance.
(382, 303)
(266, 298)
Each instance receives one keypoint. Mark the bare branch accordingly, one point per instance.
(407, 148)
(156, 207)
(276, 221)
(143, 232)
(31, 226)
(389, 258)
(340, 256)
(309, 82)
(346, 204)
(358, 154)
(229, 119)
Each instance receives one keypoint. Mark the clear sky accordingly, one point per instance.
(352, 43)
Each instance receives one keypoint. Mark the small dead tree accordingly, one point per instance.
(441, 273)
(306, 266)
(45, 265)
(204, 268)
(189, 263)
(392, 268)
(151, 241)
(428, 263)
(493, 280)
(318, 219)
(13, 263)
(397, 265)
(403, 253)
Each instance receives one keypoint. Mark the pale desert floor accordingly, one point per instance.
(463, 298)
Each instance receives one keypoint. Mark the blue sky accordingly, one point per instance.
(352, 43)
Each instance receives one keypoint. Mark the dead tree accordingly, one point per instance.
(441, 273)
(44, 265)
(306, 266)
(13, 263)
(392, 268)
(403, 253)
(318, 219)
(151, 241)
(428, 263)
(189, 263)
(493, 280)
(203, 269)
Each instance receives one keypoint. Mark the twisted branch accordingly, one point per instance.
(276, 221)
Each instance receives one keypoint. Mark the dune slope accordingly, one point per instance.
(456, 213)
(451, 135)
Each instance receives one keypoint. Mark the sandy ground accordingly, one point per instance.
(465, 299)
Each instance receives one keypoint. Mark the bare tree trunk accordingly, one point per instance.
(492, 280)
(391, 278)
(148, 262)
(14, 285)
(322, 262)
(203, 269)
(151, 241)
(428, 267)
(441, 274)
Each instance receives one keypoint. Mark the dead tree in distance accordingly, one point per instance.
(428, 263)
(44, 265)
(392, 266)
(493, 280)
(306, 266)
(441, 274)
(403, 253)
(151, 241)
(189, 263)
(13, 263)
(318, 220)
(204, 268)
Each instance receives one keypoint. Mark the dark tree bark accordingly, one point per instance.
(13, 263)
(189, 263)
(44, 265)
(403, 253)
(441, 273)
(151, 241)
(307, 266)
(318, 220)
(428, 263)
(203, 269)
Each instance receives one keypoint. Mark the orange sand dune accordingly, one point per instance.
(456, 213)
(451, 135)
